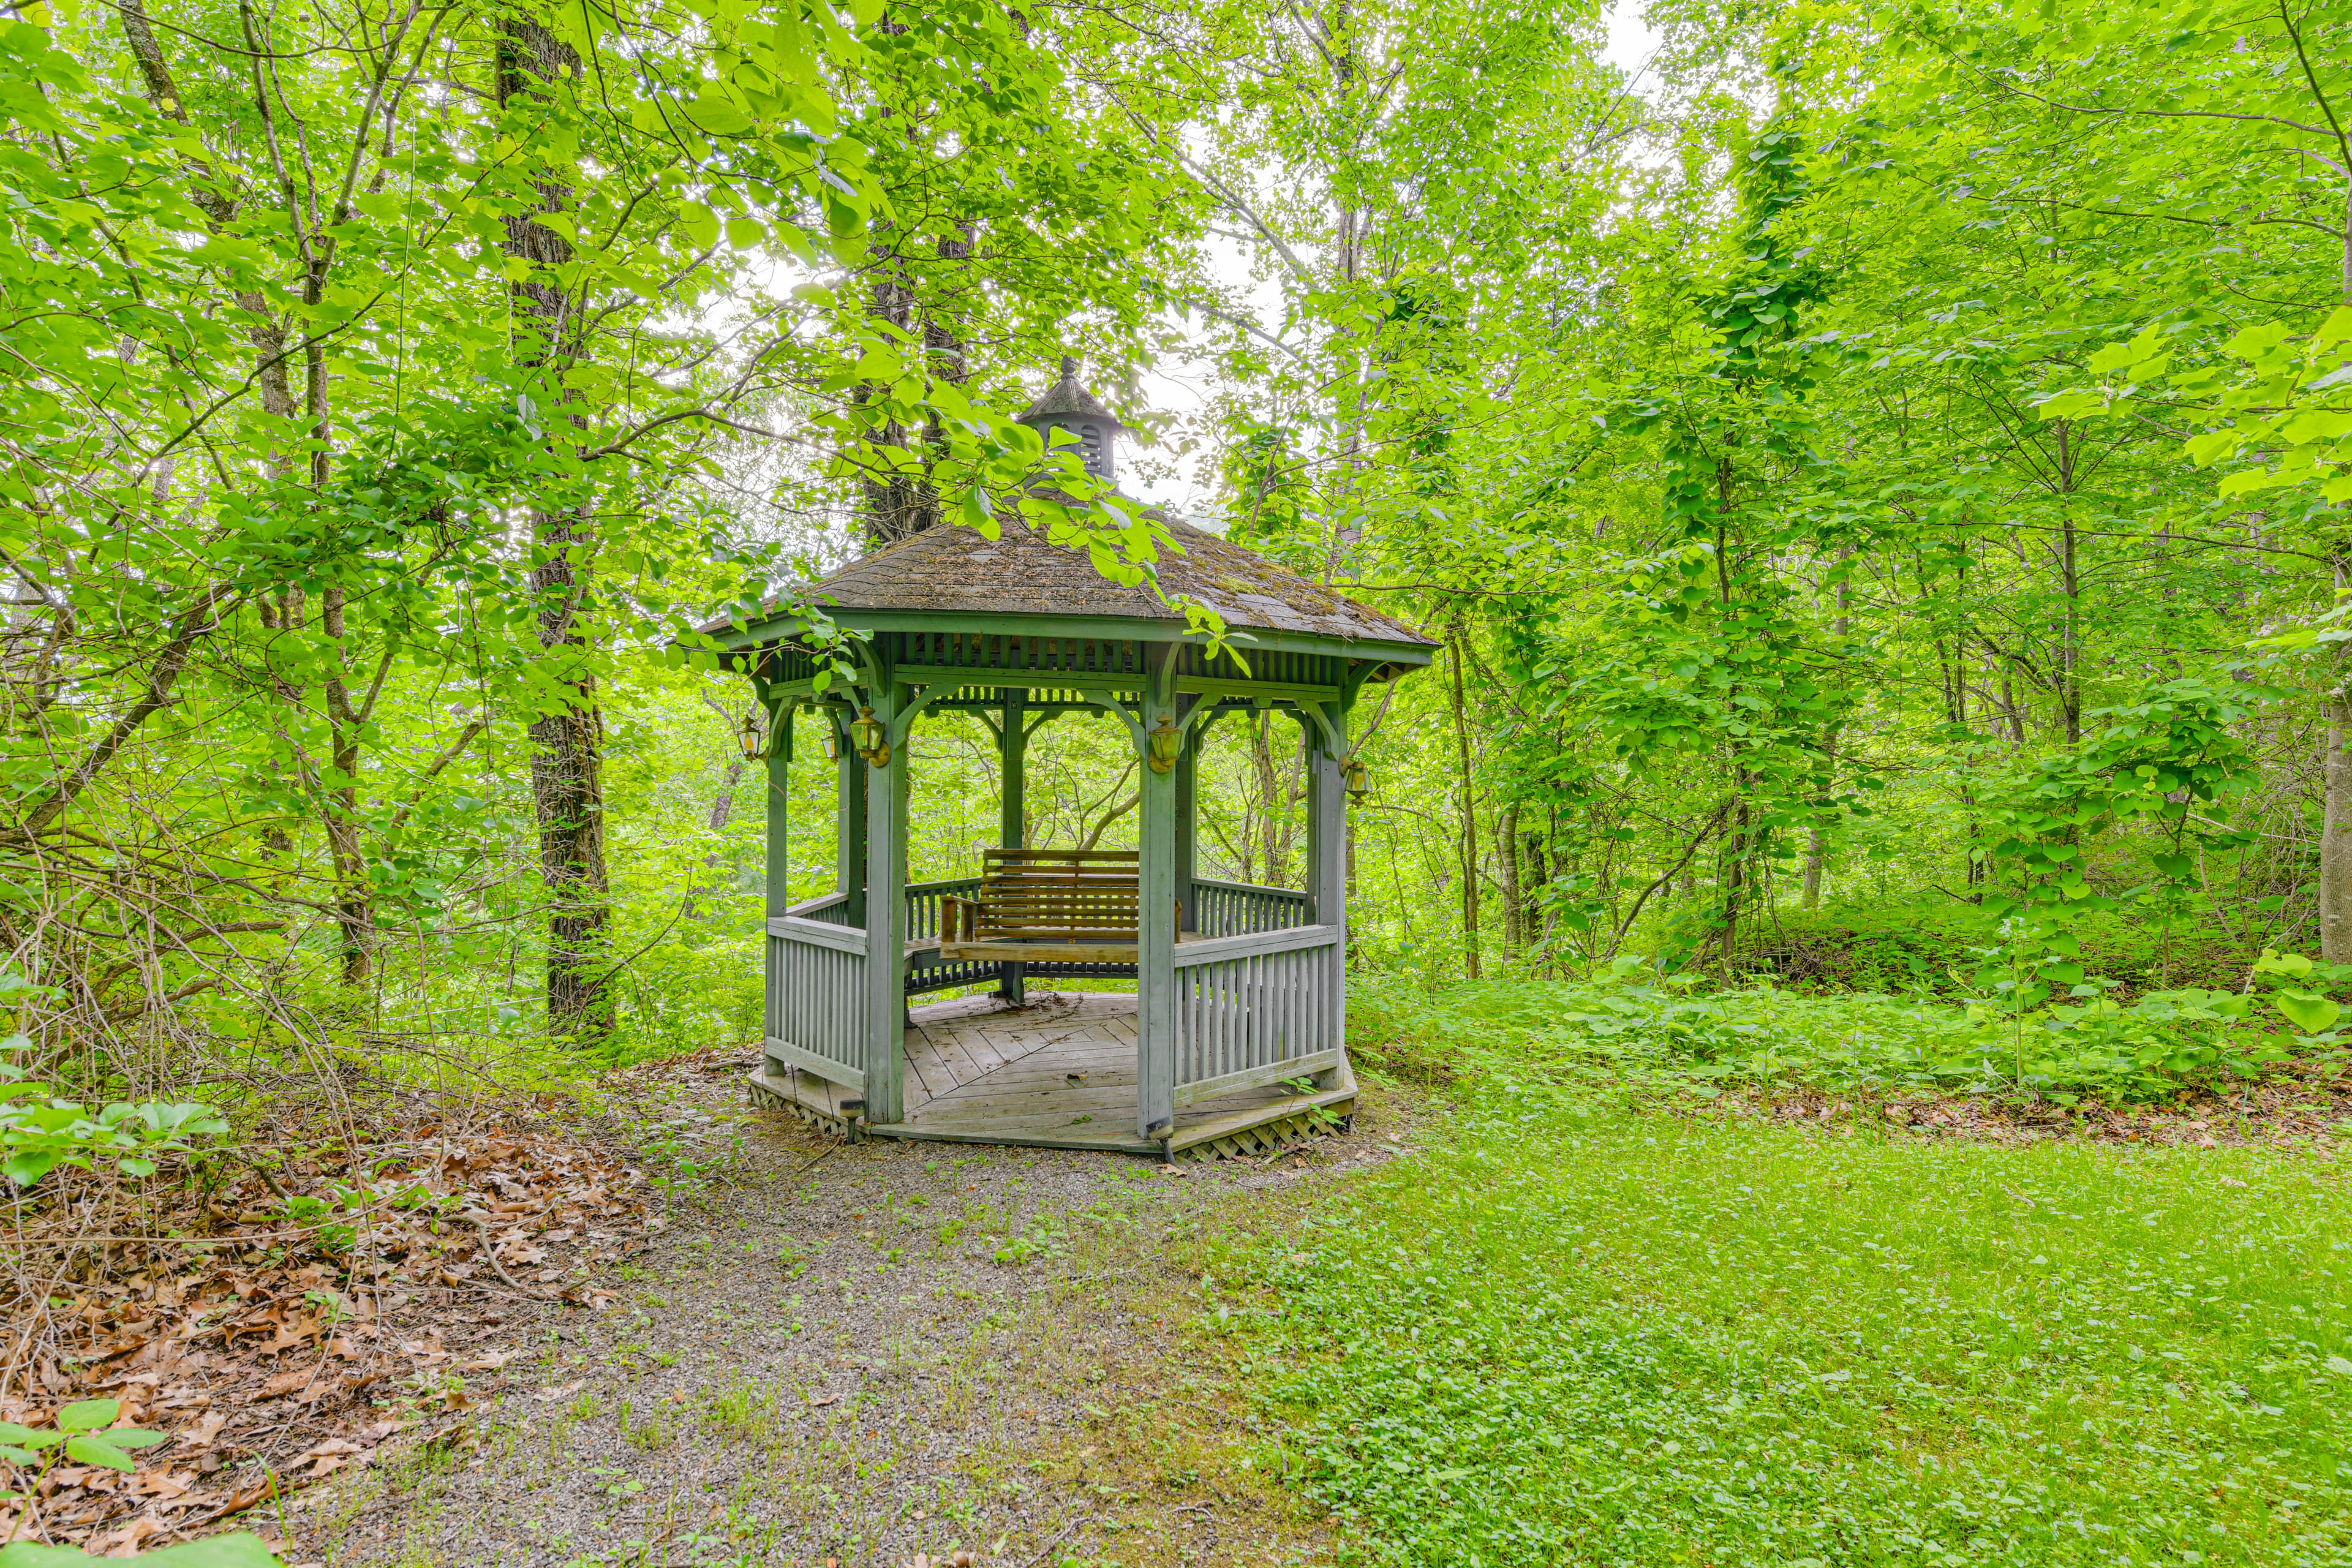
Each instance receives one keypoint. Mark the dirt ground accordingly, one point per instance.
(895, 1354)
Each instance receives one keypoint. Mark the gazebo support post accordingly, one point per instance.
(1188, 827)
(886, 912)
(780, 780)
(849, 827)
(1012, 827)
(1155, 944)
(1327, 863)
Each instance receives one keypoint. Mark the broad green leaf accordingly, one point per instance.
(89, 1414)
(92, 1450)
(2311, 1013)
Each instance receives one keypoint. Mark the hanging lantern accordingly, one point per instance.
(751, 738)
(1166, 744)
(865, 733)
(830, 743)
(1358, 779)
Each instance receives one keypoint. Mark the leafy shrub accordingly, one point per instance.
(1905, 947)
(39, 1131)
(1667, 1035)
(41, 1126)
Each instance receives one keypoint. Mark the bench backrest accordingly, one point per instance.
(1070, 895)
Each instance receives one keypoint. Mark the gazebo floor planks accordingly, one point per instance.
(1059, 1073)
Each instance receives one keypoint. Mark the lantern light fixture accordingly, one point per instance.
(866, 731)
(753, 737)
(830, 743)
(1166, 744)
(1359, 780)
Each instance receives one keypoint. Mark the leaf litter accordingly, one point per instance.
(283, 1326)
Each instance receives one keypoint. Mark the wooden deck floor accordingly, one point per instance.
(1058, 1073)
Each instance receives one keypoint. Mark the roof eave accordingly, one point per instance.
(1416, 652)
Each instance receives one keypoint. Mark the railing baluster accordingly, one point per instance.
(1236, 1012)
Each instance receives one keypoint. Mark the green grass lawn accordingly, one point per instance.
(1622, 1339)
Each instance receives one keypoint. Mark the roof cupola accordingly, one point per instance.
(1068, 406)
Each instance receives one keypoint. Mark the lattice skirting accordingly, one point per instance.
(1269, 1137)
(766, 1097)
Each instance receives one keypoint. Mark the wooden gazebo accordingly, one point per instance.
(1232, 1037)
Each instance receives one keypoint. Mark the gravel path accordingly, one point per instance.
(873, 1354)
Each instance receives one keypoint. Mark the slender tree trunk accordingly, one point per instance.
(1468, 842)
(1535, 918)
(1817, 843)
(1506, 859)
(2070, 587)
(2335, 833)
(2336, 820)
(1736, 854)
(355, 905)
(1260, 826)
(567, 746)
(355, 911)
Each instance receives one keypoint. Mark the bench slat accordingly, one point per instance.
(1048, 905)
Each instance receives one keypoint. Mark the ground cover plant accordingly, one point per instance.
(1581, 1335)
(1633, 1028)
(1901, 947)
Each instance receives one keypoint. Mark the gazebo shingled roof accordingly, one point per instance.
(959, 570)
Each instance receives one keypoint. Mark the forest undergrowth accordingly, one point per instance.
(1694, 1273)
(1576, 1333)
(2092, 1061)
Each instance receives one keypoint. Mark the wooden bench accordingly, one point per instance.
(1047, 906)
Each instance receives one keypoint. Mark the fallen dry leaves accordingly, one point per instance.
(280, 1341)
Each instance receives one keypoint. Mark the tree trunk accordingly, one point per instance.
(1817, 843)
(1535, 920)
(2335, 838)
(567, 782)
(2069, 586)
(1506, 847)
(1736, 855)
(355, 911)
(2336, 822)
(1469, 839)
(891, 501)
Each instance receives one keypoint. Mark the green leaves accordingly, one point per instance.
(2311, 1013)
(239, 1550)
(94, 1439)
(2297, 995)
(39, 1135)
